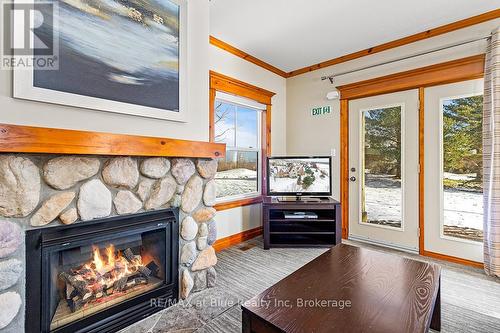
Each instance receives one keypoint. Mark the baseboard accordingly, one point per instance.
(383, 244)
(455, 260)
(228, 241)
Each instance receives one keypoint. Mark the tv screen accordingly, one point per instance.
(297, 176)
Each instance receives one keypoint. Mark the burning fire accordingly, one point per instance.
(113, 262)
(105, 275)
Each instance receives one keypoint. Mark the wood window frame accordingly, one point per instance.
(229, 85)
(464, 69)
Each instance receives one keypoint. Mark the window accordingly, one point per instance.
(238, 126)
(240, 117)
(462, 167)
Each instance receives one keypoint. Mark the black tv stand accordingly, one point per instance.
(323, 231)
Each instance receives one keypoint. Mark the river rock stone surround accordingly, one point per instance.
(38, 191)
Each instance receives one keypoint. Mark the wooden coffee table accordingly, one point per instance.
(350, 289)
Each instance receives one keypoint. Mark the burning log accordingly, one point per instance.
(136, 281)
(121, 283)
(70, 291)
(129, 255)
(78, 283)
(76, 303)
(153, 267)
(104, 270)
(144, 271)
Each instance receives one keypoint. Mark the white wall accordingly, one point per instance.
(318, 135)
(20, 112)
(236, 220)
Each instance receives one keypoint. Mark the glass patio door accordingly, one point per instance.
(383, 163)
(453, 201)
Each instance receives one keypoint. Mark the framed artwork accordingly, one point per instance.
(123, 56)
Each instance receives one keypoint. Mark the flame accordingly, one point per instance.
(109, 262)
(106, 267)
(97, 260)
(112, 262)
(110, 252)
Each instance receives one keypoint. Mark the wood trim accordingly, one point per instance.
(455, 260)
(220, 82)
(239, 53)
(421, 161)
(27, 139)
(266, 140)
(491, 15)
(344, 165)
(238, 203)
(448, 72)
(232, 240)
(265, 146)
(211, 115)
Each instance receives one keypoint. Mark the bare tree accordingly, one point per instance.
(220, 116)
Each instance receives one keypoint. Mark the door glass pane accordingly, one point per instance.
(462, 168)
(381, 197)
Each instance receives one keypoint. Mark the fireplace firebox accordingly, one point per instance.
(102, 275)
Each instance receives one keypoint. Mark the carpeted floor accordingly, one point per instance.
(470, 299)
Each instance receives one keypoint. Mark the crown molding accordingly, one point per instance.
(481, 18)
(491, 15)
(239, 53)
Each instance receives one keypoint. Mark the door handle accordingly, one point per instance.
(352, 179)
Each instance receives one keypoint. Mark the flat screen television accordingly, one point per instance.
(299, 176)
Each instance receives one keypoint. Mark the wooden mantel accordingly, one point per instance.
(26, 139)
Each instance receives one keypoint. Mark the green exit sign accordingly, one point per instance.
(319, 111)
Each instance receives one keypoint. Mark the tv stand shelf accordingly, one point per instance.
(323, 231)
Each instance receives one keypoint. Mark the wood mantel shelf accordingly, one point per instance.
(26, 139)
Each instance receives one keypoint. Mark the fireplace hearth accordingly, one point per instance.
(103, 275)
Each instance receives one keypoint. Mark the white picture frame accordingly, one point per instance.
(23, 87)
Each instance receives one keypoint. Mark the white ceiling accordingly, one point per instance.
(292, 34)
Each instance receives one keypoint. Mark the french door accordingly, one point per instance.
(383, 169)
(453, 200)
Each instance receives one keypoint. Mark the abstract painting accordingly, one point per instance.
(114, 55)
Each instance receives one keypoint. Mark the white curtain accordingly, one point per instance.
(491, 156)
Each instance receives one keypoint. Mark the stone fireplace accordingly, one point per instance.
(55, 194)
(104, 274)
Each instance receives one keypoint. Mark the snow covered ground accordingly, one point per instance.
(461, 208)
(235, 182)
